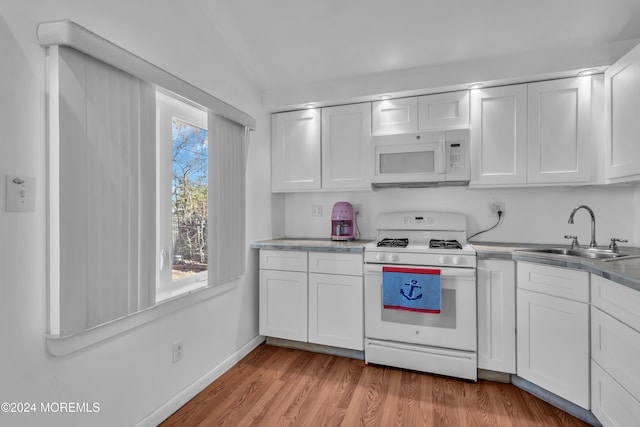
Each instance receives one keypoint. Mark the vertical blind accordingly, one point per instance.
(228, 146)
(103, 194)
(106, 197)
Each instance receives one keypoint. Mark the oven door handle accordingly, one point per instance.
(444, 271)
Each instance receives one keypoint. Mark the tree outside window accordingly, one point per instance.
(189, 199)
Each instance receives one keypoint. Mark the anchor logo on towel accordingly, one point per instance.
(412, 286)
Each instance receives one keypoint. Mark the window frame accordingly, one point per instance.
(52, 35)
(169, 108)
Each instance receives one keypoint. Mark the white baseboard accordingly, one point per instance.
(163, 412)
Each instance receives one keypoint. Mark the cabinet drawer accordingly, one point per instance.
(560, 282)
(617, 300)
(610, 402)
(283, 260)
(616, 347)
(335, 263)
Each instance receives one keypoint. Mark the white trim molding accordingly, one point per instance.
(163, 412)
(68, 33)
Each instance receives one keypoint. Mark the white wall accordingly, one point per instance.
(131, 375)
(532, 215)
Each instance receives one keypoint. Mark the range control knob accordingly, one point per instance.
(456, 260)
(392, 257)
(379, 257)
(443, 259)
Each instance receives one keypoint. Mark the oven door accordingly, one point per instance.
(454, 327)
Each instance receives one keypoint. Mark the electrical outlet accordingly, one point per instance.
(316, 210)
(494, 207)
(178, 351)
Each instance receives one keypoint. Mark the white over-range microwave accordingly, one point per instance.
(421, 159)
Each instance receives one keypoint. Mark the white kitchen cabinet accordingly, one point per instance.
(394, 116)
(321, 149)
(295, 150)
(622, 119)
(443, 111)
(314, 297)
(336, 311)
(533, 134)
(617, 300)
(611, 404)
(497, 315)
(559, 145)
(346, 137)
(498, 136)
(553, 330)
(440, 111)
(283, 294)
(615, 346)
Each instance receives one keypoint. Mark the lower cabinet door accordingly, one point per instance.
(612, 405)
(283, 304)
(553, 345)
(616, 348)
(335, 310)
(497, 315)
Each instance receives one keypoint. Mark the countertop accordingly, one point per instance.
(312, 245)
(625, 271)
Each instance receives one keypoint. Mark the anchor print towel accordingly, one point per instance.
(411, 289)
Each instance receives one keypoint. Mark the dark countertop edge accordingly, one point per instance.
(605, 269)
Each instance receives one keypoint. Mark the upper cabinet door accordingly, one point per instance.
(395, 116)
(443, 111)
(498, 136)
(622, 119)
(346, 136)
(559, 144)
(295, 150)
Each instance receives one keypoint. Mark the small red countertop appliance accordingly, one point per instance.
(342, 221)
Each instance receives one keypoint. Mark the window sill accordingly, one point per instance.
(168, 293)
(62, 346)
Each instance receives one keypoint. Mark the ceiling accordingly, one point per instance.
(285, 43)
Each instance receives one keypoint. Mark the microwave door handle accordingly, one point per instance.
(441, 160)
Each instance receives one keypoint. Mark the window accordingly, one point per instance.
(183, 197)
(118, 224)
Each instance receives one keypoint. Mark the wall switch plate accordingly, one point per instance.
(177, 351)
(20, 193)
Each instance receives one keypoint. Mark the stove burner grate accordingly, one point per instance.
(393, 243)
(444, 244)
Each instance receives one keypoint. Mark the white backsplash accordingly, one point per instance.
(533, 215)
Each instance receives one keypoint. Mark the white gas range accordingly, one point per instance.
(440, 339)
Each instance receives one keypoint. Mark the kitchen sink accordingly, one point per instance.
(591, 253)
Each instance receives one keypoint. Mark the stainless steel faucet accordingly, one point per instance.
(593, 243)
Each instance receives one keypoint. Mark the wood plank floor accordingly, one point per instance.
(274, 386)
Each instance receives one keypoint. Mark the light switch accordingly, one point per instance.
(20, 193)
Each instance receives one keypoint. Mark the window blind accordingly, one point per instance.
(101, 201)
(106, 197)
(228, 143)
